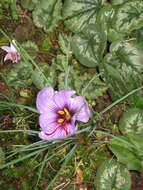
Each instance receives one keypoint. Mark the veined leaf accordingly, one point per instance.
(20, 75)
(112, 175)
(39, 81)
(78, 14)
(132, 121)
(122, 69)
(65, 44)
(28, 4)
(89, 45)
(128, 17)
(47, 14)
(129, 152)
(118, 2)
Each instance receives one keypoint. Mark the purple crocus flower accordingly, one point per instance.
(59, 112)
(12, 53)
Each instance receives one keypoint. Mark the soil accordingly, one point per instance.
(137, 181)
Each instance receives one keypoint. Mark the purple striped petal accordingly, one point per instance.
(63, 98)
(48, 122)
(13, 49)
(6, 48)
(59, 133)
(71, 128)
(49, 102)
(44, 99)
(8, 57)
(81, 108)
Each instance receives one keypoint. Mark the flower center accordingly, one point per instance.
(14, 55)
(64, 116)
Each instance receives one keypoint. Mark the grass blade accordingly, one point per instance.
(2, 166)
(9, 104)
(68, 156)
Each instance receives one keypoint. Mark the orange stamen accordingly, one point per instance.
(60, 120)
(68, 116)
(61, 112)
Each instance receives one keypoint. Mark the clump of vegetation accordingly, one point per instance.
(93, 48)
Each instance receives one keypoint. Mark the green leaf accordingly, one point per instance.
(137, 34)
(89, 45)
(2, 156)
(31, 48)
(118, 2)
(78, 81)
(105, 17)
(47, 14)
(65, 44)
(20, 75)
(46, 44)
(39, 81)
(128, 17)
(80, 77)
(122, 69)
(112, 175)
(132, 121)
(138, 103)
(78, 14)
(131, 53)
(28, 4)
(129, 151)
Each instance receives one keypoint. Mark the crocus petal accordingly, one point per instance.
(14, 61)
(7, 57)
(59, 134)
(13, 49)
(43, 98)
(18, 58)
(80, 106)
(62, 98)
(6, 48)
(71, 128)
(48, 122)
(43, 136)
(49, 102)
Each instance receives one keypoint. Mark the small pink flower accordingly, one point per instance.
(12, 53)
(59, 112)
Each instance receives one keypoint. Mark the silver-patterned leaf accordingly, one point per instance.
(112, 175)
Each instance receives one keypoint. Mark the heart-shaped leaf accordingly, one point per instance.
(132, 121)
(89, 45)
(118, 2)
(49, 72)
(128, 17)
(47, 14)
(112, 175)
(65, 44)
(129, 151)
(78, 14)
(20, 75)
(122, 69)
(28, 4)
